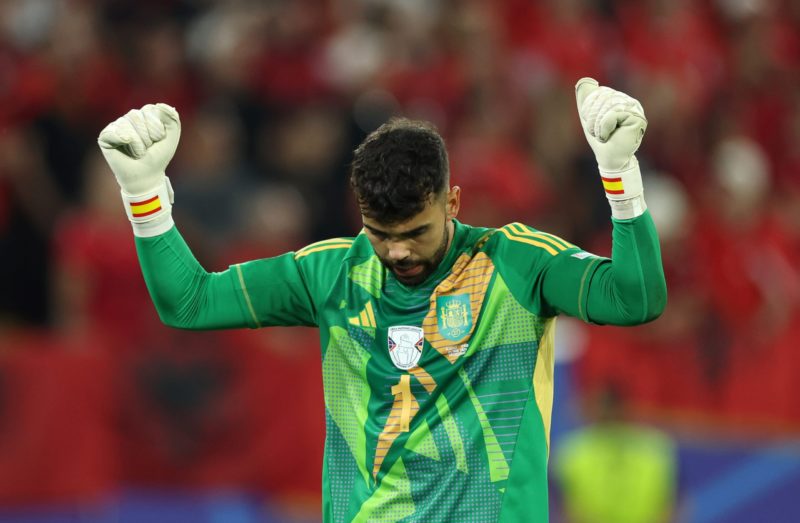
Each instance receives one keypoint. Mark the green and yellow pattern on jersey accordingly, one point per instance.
(437, 397)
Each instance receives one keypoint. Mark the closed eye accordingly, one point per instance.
(419, 231)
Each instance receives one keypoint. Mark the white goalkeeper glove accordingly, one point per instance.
(614, 124)
(138, 147)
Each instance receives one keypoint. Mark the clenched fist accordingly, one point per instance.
(614, 124)
(138, 147)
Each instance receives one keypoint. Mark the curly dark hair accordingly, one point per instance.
(398, 168)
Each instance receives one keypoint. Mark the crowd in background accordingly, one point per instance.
(274, 95)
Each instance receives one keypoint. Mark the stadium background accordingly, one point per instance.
(105, 415)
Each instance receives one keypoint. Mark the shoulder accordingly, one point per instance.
(326, 262)
(520, 238)
(334, 250)
(331, 248)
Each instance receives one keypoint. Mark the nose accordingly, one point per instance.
(398, 251)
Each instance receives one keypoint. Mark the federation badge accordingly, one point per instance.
(455, 316)
(405, 345)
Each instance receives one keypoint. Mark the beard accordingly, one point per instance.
(428, 265)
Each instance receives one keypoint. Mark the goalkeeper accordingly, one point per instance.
(436, 336)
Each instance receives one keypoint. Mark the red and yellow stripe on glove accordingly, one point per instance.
(150, 213)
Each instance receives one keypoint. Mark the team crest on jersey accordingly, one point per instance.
(455, 316)
(405, 345)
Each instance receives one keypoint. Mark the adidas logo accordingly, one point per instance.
(365, 319)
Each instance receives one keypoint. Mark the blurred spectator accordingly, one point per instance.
(501, 184)
(276, 219)
(212, 177)
(97, 285)
(29, 205)
(308, 149)
(613, 471)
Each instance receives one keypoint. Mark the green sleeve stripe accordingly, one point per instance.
(641, 278)
(582, 313)
(247, 295)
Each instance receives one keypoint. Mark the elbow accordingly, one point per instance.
(655, 312)
(171, 318)
(174, 312)
(647, 308)
(655, 303)
(172, 322)
(660, 300)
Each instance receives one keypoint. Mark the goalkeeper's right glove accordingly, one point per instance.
(138, 147)
(614, 124)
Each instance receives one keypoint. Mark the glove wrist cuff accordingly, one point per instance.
(628, 209)
(623, 184)
(624, 191)
(150, 213)
(154, 227)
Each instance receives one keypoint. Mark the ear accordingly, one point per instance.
(453, 203)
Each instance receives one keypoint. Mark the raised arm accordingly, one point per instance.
(628, 289)
(138, 147)
(631, 289)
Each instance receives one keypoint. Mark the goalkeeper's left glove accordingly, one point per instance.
(138, 147)
(614, 124)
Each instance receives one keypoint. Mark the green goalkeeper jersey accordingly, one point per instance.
(438, 396)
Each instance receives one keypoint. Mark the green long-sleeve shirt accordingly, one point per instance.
(437, 397)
